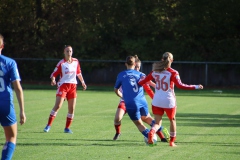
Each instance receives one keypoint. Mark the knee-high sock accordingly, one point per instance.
(52, 116)
(173, 136)
(118, 128)
(145, 133)
(8, 150)
(69, 120)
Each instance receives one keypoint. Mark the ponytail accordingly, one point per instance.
(164, 64)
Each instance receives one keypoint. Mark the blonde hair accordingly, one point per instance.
(1, 40)
(130, 60)
(164, 63)
(137, 60)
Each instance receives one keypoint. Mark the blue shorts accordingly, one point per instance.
(136, 113)
(7, 114)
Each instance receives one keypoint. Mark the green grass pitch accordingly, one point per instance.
(208, 128)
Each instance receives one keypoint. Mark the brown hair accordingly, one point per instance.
(66, 46)
(137, 60)
(130, 60)
(164, 63)
(1, 40)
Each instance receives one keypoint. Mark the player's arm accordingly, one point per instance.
(19, 93)
(118, 93)
(152, 84)
(55, 73)
(180, 85)
(80, 77)
(146, 79)
(148, 90)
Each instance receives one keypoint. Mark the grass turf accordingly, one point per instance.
(207, 128)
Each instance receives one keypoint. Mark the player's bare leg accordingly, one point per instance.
(58, 104)
(149, 120)
(173, 129)
(139, 124)
(117, 122)
(11, 137)
(70, 115)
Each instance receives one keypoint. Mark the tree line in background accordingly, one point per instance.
(193, 30)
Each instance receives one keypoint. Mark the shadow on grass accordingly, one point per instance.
(211, 144)
(207, 120)
(87, 142)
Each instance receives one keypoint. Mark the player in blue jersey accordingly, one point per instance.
(121, 110)
(133, 94)
(9, 75)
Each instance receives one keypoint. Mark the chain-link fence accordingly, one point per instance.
(106, 71)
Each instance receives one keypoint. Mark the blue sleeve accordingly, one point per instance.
(142, 75)
(14, 74)
(118, 82)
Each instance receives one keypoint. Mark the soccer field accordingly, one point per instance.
(208, 127)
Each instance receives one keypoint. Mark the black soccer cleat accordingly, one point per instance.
(116, 137)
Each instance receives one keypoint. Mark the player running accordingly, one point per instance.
(133, 95)
(9, 74)
(164, 99)
(121, 110)
(68, 69)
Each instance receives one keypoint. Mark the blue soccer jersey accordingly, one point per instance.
(133, 93)
(8, 74)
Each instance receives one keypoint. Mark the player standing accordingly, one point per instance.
(164, 99)
(9, 74)
(121, 110)
(68, 69)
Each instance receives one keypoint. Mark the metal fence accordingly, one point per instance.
(106, 71)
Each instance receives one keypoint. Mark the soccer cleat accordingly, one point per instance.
(117, 136)
(166, 134)
(164, 140)
(150, 138)
(47, 128)
(67, 130)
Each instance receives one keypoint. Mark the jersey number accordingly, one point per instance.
(2, 86)
(135, 87)
(161, 84)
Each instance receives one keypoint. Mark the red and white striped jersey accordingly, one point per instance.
(164, 96)
(67, 71)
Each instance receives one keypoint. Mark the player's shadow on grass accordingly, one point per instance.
(83, 143)
(207, 120)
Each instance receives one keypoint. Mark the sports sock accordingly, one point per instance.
(69, 120)
(153, 122)
(52, 116)
(160, 134)
(145, 133)
(118, 128)
(8, 150)
(172, 136)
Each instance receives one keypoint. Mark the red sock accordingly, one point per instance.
(172, 139)
(68, 122)
(160, 134)
(50, 120)
(118, 128)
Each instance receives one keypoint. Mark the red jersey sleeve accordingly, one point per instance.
(57, 70)
(145, 79)
(148, 90)
(177, 81)
(78, 68)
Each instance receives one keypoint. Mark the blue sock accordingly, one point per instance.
(160, 129)
(145, 133)
(153, 122)
(8, 150)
